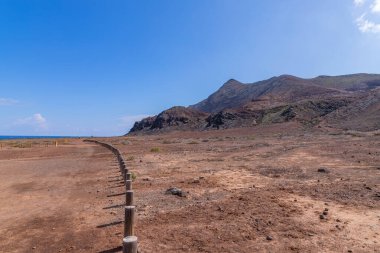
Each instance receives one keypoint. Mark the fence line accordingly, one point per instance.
(129, 240)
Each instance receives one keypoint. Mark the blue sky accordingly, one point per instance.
(93, 67)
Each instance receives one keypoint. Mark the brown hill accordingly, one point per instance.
(363, 114)
(346, 102)
(285, 89)
(175, 118)
(308, 113)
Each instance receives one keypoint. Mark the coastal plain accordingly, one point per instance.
(271, 188)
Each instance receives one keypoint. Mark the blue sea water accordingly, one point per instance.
(6, 137)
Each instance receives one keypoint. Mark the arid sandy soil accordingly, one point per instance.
(249, 190)
(57, 199)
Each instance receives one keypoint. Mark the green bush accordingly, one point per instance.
(155, 150)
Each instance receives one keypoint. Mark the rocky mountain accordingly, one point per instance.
(362, 114)
(285, 89)
(347, 102)
(176, 118)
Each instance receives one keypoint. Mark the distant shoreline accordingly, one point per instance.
(19, 137)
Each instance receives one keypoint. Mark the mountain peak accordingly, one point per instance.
(231, 82)
(285, 89)
(287, 77)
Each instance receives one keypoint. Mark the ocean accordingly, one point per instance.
(14, 137)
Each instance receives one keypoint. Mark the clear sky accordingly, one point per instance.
(92, 67)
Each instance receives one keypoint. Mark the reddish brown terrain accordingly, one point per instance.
(272, 188)
(57, 199)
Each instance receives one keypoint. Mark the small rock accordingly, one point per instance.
(269, 238)
(34, 247)
(323, 170)
(325, 213)
(176, 191)
(321, 216)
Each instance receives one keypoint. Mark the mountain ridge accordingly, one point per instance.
(330, 100)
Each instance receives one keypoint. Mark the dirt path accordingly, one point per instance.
(59, 199)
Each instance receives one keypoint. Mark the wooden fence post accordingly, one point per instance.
(130, 244)
(129, 220)
(128, 185)
(129, 240)
(129, 198)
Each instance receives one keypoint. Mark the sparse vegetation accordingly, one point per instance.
(125, 142)
(130, 158)
(155, 150)
(20, 145)
(355, 134)
(251, 138)
(255, 175)
(133, 176)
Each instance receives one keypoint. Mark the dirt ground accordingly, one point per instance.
(58, 199)
(266, 189)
